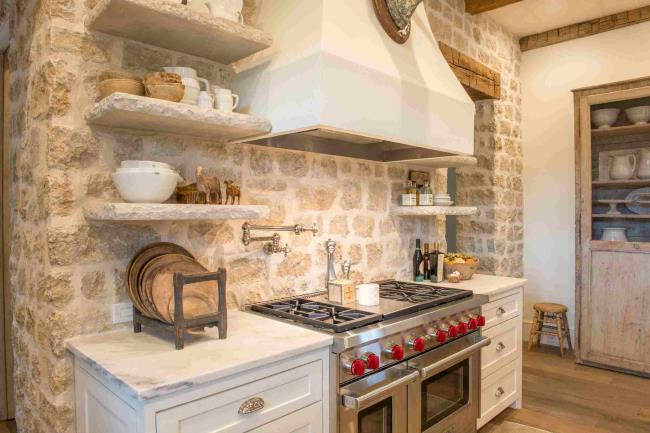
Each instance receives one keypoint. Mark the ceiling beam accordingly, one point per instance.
(479, 81)
(478, 6)
(586, 28)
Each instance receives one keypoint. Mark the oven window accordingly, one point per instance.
(445, 393)
(377, 418)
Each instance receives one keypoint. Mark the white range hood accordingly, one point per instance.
(334, 82)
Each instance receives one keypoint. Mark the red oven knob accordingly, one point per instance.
(452, 331)
(358, 367)
(396, 352)
(462, 328)
(441, 337)
(418, 344)
(472, 323)
(372, 361)
(480, 320)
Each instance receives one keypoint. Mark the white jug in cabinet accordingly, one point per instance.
(644, 165)
(622, 166)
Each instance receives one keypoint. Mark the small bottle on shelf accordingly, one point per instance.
(409, 197)
(426, 195)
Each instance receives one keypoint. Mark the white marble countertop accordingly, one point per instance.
(146, 365)
(490, 285)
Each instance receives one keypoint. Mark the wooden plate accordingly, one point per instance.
(158, 285)
(140, 260)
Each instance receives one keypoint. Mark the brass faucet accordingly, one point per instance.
(272, 244)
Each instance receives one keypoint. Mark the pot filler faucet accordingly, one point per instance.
(272, 244)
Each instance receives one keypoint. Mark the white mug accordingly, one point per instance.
(225, 100)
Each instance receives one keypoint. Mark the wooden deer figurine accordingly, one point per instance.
(232, 191)
(209, 185)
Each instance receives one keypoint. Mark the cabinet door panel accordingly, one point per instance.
(617, 306)
(307, 420)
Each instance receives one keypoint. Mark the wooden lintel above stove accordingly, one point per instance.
(479, 81)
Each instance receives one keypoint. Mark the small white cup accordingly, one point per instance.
(225, 100)
(368, 294)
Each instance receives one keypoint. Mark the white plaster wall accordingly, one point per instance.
(548, 75)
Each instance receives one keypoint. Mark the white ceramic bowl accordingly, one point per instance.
(614, 234)
(149, 164)
(150, 170)
(145, 187)
(184, 72)
(638, 115)
(605, 117)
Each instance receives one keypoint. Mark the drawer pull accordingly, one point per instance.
(251, 405)
(500, 346)
(500, 311)
(499, 392)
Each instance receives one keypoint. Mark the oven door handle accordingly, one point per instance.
(458, 356)
(357, 401)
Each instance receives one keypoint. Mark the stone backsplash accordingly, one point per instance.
(67, 272)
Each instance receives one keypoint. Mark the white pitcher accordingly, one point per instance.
(622, 166)
(644, 165)
(228, 9)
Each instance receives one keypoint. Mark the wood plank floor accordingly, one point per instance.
(8, 427)
(563, 397)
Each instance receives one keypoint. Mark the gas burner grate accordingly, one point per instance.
(319, 314)
(421, 296)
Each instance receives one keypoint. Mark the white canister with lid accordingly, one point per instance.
(368, 294)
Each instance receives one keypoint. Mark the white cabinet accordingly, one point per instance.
(501, 368)
(287, 396)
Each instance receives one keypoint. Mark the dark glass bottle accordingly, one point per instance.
(426, 269)
(433, 262)
(417, 262)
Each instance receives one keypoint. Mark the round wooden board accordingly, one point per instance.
(139, 261)
(158, 285)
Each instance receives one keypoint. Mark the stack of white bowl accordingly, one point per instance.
(146, 181)
(442, 199)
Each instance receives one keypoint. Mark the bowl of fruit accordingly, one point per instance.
(464, 264)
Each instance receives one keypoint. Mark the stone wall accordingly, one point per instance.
(67, 272)
(495, 186)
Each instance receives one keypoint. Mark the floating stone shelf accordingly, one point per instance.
(173, 212)
(121, 110)
(169, 24)
(433, 210)
(441, 162)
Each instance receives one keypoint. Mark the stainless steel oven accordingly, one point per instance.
(445, 396)
(436, 392)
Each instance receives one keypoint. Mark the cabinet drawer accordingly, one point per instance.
(504, 348)
(282, 394)
(503, 309)
(307, 420)
(499, 390)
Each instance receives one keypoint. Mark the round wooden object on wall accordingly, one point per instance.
(386, 21)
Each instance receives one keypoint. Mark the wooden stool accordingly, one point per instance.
(550, 319)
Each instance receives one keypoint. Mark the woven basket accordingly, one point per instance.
(123, 85)
(162, 78)
(189, 194)
(467, 270)
(110, 75)
(167, 92)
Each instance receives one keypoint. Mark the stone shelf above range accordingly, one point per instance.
(433, 210)
(441, 162)
(121, 110)
(177, 27)
(172, 212)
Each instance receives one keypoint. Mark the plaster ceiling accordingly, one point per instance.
(535, 16)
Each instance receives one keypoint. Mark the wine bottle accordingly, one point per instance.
(426, 269)
(433, 262)
(417, 262)
(440, 271)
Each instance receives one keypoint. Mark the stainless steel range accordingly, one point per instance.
(408, 365)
